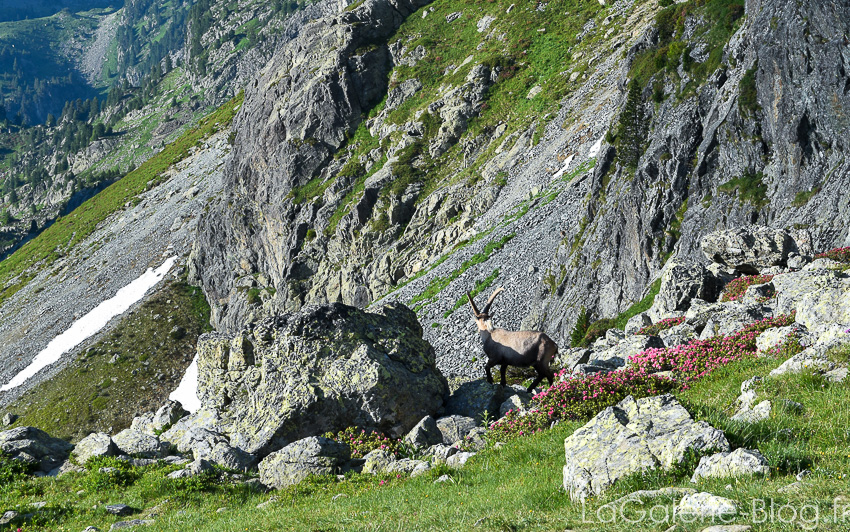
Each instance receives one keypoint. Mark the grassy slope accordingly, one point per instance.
(516, 487)
(17, 270)
(93, 394)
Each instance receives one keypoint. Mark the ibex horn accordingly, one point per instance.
(490, 301)
(474, 308)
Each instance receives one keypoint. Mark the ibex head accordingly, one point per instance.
(482, 319)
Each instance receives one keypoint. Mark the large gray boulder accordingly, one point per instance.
(713, 319)
(135, 443)
(293, 463)
(232, 458)
(791, 288)
(474, 398)
(161, 420)
(321, 370)
(740, 462)
(618, 355)
(632, 436)
(34, 446)
(95, 444)
(680, 282)
(425, 434)
(750, 249)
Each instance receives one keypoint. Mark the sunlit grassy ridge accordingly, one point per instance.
(55, 241)
(513, 487)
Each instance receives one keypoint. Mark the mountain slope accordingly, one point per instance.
(326, 206)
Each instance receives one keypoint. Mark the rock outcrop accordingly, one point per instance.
(310, 456)
(653, 432)
(35, 447)
(324, 369)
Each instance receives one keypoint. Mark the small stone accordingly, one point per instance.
(39, 505)
(706, 505)
(132, 523)
(8, 419)
(268, 503)
(8, 517)
(443, 478)
(91, 529)
(459, 460)
(118, 509)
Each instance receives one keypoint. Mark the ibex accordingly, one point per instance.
(513, 348)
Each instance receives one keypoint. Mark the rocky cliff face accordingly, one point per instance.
(324, 206)
(713, 163)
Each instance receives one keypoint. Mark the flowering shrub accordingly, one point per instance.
(699, 357)
(662, 325)
(583, 398)
(837, 254)
(736, 289)
(578, 398)
(362, 442)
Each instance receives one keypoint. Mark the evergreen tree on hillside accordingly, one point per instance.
(580, 329)
(633, 128)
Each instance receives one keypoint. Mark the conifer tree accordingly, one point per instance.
(633, 127)
(580, 329)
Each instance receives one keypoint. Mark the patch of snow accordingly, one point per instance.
(92, 322)
(594, 150)
(563, 169)
(187, 392)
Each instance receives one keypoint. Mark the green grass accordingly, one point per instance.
(515, 487)
(749, 187)
(92, 394)
(437, 284)
(803, 197)
(68, 231)
(480, 286)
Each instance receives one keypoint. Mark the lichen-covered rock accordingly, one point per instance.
(95, 444)
(440, 452)
(456, 461)
(618, 355)
(792, 287)
(749, 249)
(201, 442)
(161, 420)
(812, 358)
(829, 305)
(724, 318)
(293, 463)
(637, 322)
(425, 434)
(704, 504)
(771, 338)
(759, 412)
(323, 369)
(405, 466)
(34, 446)
(474, 398)
(518, 402)
(232, 458)
(377, 461)
(570, 358)
(680, 282)
(678, 335)
(193, 469)
(632, 436)
(455, 428)
(135, 443)
(180, 434)
(740, 462)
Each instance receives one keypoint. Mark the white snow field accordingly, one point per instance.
(92, 322)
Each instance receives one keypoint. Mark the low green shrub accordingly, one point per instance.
(578, 399)
(663, 325)
(363, 442)
(736, 288)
